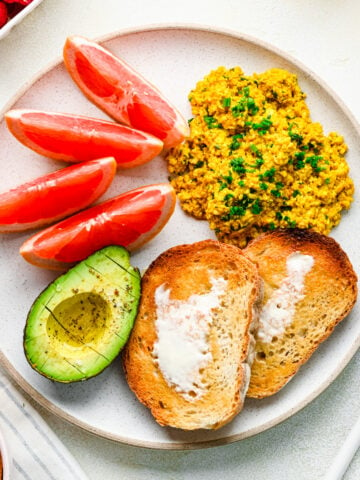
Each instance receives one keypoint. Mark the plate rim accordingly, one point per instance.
(57, 411)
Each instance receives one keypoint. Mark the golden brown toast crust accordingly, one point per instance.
(187, 270)
(330, 293)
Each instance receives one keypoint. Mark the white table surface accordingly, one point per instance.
(324, 35)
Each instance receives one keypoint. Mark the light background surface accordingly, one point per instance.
(324, 35)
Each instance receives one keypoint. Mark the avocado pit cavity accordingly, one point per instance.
(80, 319)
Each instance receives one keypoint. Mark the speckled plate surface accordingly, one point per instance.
(173, 58)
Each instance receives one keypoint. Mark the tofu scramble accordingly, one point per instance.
(255, 161)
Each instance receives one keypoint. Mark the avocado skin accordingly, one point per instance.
(78, 325)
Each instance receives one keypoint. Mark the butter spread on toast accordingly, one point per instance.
(279, 310)
(185, 324)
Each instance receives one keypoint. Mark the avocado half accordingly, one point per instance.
(80, 322)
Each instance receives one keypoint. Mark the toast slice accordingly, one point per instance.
(309, 287)
(188, 355)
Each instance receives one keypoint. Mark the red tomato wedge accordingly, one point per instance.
(130, 219)
(54, 196)
(121, 92)
(75, 138)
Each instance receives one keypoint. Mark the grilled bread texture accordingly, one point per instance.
(329, 292)
(188, 357)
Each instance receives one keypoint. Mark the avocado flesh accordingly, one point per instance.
(80, 322)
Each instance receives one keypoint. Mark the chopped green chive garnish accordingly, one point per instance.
(211, 122)
(226, 102)
(237, 210)
(237, 164)
(235, 144)
(256, 208)
(268, 175)
(263, 126)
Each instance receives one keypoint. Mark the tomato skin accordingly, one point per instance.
(54, 196)
(121, 92)
(76, 138)
(130, 220)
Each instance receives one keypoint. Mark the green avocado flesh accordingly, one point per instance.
(81, 321)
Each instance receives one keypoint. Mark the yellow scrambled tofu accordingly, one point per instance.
(255, 161)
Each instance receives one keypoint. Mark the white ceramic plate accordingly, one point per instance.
(173, 58)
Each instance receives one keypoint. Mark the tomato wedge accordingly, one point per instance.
(130, 220)
(54, 196)
(121, 92)
(75, 138)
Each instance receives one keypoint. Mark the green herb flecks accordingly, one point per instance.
(227, 198)
(240, 206)
(259, 157)
(211, 122)
(262, 127)
(245, 104)
(238, 165)
(235, 143)
(295, 137)
(268, 175)
(313, 161)
(226, 102)
(237, 210)
(256, 151)
(199, 164)
(300, 159)
(225, 181)
(276, 193)
(290, 223)
(256, 207)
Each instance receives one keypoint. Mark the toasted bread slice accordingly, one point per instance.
(309, 287)
(188, 356)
